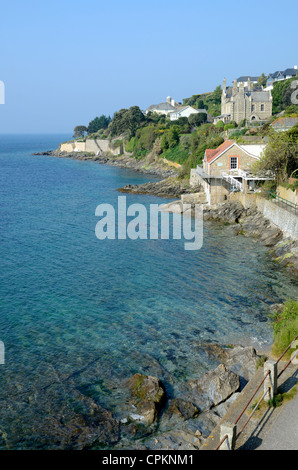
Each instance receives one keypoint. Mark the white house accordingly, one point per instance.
(163, 108)
(185, 111)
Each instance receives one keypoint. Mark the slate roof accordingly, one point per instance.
(256, 96)
(292, 72)
(284, 123)
(278, 73)
(259, 96)
(246, 77)
(275, 74)
(161, 107)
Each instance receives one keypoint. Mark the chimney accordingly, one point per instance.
(169, 99)
(295, 67)
(235, 87)
(173, 103)
(248, 83)
(224, 88)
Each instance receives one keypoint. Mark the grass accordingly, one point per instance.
(285, 328)
(278, 400)
(261, 361)
(176, 154)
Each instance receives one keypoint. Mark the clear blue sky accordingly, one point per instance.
(65, 62)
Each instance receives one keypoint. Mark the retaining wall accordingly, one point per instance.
(285, 219)
(96, 146)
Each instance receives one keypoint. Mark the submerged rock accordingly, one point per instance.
(149, 396)
(183, 408)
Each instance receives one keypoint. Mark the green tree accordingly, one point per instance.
(79, 131)
(98, 123)
(201, 104)
(280, 155)
(173, 136)
(281, 95)
(262, 80)
(127, 120)
(197, 119)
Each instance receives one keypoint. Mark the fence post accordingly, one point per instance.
(271, 380)
(229, 430)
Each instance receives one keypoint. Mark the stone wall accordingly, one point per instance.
(95, 146)
(285, 219)
(288, 194)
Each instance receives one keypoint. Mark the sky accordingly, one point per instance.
(65, 62)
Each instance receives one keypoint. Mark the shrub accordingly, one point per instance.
(285, 327)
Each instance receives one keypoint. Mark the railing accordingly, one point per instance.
(230, 178)
(283, 202)
(269, 380)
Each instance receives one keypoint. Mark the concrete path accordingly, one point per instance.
(283, 432)
(270, 428)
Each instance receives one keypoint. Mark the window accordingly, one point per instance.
(252, 108)
(262, 107)
(233, 163)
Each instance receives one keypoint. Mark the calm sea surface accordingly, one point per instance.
(100, 311)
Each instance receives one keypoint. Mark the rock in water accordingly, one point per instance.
(183, 408)
(148, 395)
(213, 388)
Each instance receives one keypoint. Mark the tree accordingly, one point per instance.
(262, 80)
(280, 155)
(98, 123)
(79, 131)
(196, 119)
(281, 95)
(220, 125)
(127, 120)
(216, 95)
(201, 104)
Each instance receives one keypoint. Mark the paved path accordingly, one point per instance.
(269, 429)
(283, 432)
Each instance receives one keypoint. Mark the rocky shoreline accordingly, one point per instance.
(250, 223)
(155, 420)
(151, 417)
(170, 187)
(145, 166)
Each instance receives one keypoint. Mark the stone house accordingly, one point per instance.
(227, 169)
(245, 102)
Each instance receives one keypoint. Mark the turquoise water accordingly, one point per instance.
(72, 306)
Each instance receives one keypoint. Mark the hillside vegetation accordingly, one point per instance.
(282, 97)
(184, 141)
(209, 101)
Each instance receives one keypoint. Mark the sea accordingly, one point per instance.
(79, 315)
